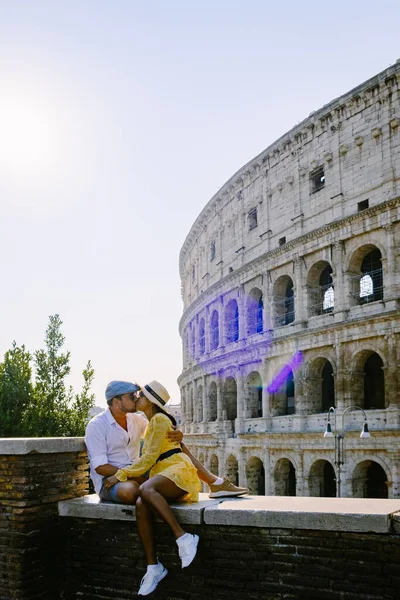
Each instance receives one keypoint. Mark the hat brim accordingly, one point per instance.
(154, 400)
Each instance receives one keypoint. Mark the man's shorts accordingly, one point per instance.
(111, 495)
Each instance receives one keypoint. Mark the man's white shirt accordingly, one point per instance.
(108, 443)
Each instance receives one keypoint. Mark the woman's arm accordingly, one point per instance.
(155, 438)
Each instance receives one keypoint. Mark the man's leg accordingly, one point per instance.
(219, 486)
(124, 492)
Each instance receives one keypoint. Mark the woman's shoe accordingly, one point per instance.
(151, 580)
(187, 546)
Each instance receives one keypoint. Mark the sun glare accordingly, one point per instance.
(28, 135)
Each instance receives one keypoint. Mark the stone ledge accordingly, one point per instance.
(41, 445)
(276, 512)
(90, 507)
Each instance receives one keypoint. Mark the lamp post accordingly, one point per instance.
(339, 437)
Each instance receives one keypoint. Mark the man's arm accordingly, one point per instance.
(106, 470)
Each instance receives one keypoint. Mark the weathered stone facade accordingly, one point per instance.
(290, 282)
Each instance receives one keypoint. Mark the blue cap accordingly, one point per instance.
(117, 388)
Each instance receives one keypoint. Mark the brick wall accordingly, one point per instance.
(104, 560)
(34, 476)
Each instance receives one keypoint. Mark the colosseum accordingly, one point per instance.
(291, 322)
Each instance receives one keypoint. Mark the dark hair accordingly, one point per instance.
(170, 417)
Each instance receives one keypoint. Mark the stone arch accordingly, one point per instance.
(366, 281)
(232, 321)
(214, 341)
(370, 480)
(283, 301)
(202, 336)
(282, 393)
(232, 469)
(254, 389)
(322, 479)
(199, 402)
(284, 478)
(254, 312)
(212, 401)
(320, 289)
(320, 386)
(255, 476)
(214, 464)
(229, 399)
(368, 381)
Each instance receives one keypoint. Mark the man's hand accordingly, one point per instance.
(175, 436)
(109, 482)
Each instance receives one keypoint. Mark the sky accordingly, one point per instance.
(118, 122)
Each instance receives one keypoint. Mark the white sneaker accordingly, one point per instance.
(188, 548)
(151, 580)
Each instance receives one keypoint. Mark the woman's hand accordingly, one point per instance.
(175, 436)
(109, 482)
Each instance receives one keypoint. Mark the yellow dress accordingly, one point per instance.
(178, 467)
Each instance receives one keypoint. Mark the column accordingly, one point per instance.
(300, 291)
(390, 286)
(219, 396)
(342, 386)
(300, 475)
(242, 313)
(204, 400)
(195, 402)
(241, 399)
(340, 285)
(268, 474)
(242, 471)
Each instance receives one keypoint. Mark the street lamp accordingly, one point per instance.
(339, 437)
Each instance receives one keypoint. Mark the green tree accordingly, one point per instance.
(15, 390)
(55, 412)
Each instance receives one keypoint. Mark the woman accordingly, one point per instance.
(172, 477)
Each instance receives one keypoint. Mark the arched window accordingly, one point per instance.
(290, 407)
(326, 290)
(371, 282)
(255, 309)
(202, 337)
(193, 345)
(374, 383)
(232, 321)
(283, 303)
(214, 330)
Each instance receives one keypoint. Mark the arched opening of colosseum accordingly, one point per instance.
(232, 469)
(254, 310)
(321, 295)
(190, 407)
(212, 401)
(214, 464)
(283, 301)
(253, 395)
(320, 387)
(283, 400)
(370, 480)
(214, 330)
(367, 281)
(322, 480)
(229, 400)
(368, 385)
(284, 478)
(199, 402)
(193, 345)
(202, 336)
(255, 476)
(232, 321)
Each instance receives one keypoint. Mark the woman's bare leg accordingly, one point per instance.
(156, 492)
(144, 520)
(203, 473)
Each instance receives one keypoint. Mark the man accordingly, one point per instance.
(113, 442)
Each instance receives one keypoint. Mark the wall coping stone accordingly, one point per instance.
(41, 445)
(357, 515)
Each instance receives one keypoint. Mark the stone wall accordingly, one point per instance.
(35, 474)
(249, 548)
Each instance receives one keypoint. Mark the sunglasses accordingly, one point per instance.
(132, 396)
